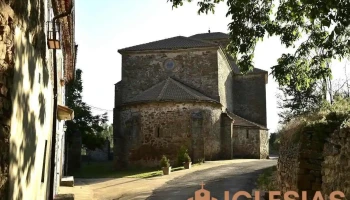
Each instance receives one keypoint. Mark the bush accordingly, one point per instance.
(164, 162)
(187, 158)
(325, 121)
(181, 155)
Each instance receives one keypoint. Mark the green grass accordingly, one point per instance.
(105, 170)
(267, 181)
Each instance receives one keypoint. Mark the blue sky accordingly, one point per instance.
(104, 26)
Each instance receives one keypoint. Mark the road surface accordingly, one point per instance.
(233, 178)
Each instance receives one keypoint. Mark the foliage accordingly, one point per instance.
(164, 162)
(267, 181)
(324, 24)
(326, 120)
(107, 133)
(89, 125)
(294, 102)
(274, 142)
(181, 155)
(187, 158)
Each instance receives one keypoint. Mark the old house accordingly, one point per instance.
(34, 67)
(186, 91)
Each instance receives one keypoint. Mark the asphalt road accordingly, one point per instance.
(233, 178)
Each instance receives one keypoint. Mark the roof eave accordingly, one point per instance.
(169, 101)
(122, 51)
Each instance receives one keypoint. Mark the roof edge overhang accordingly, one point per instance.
(251, 127)
(64, 113)
(122, 52)
(169, 101)
(265, 73)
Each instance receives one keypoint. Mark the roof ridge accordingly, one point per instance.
(198, 40)
(184, 88)
(163, 89)
(153, 86)
(200, 43)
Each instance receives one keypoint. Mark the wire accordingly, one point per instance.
(100, 109)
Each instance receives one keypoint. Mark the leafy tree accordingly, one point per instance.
(90, 126)
(107, 133)
(325, 24)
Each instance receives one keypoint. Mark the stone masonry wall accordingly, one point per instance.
(264, 144)
(316, 162)
(336, 165)
(287, 165)
(198, 69)
(6, 78)
(300, 163)
(249, 97)
(246, 142)
(225, 82)
(151, 130)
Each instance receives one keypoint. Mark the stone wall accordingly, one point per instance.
(225, 82)
(198, 69)
(6, 78)
(313, 161)
(150, 130)
(99, 154)
(31, 96)
(264, 144)
(226, 137)
(249, 97)
(336, 164)
(246, 142)
(288, 164)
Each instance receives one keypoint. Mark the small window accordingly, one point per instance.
(247, 133)
(158, 132)
(44, 161)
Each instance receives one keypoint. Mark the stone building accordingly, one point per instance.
(27, 97)
(186, 91)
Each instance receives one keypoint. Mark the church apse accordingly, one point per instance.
(156, 129)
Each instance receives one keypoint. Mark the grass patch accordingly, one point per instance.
(105, 170)
(267, 181)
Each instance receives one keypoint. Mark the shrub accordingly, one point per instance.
(325, 121)
(181, 155)
(164, 162)
(187, 158)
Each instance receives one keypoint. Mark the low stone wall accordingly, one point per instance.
(315, 160)
(336, 165)
(99, 154)
(287, 165)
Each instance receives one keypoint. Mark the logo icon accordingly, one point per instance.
(202, 194)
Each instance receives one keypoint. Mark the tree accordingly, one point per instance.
(325, 24)
(89, 126)
(107, 133)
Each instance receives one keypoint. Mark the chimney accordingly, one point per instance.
(209, 31)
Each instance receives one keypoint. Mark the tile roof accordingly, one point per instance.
(178, 42)
(210, 36)
(194, 41)
(240, 121)
(169, 90)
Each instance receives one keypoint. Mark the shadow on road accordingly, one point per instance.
(240, 177)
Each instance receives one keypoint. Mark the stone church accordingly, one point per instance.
(186, 91)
